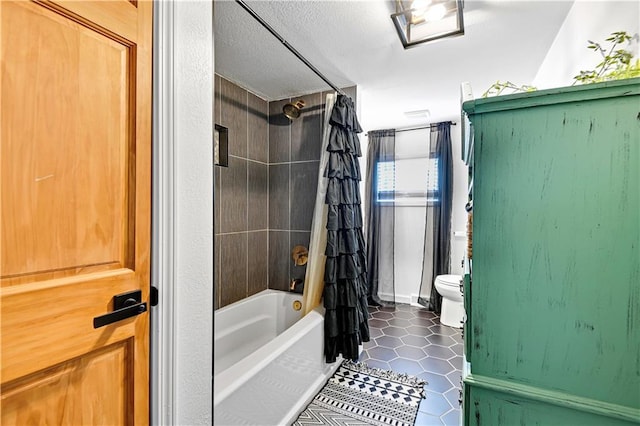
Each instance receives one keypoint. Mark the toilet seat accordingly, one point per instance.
(450, 280)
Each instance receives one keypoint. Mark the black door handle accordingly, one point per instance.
(125, 305)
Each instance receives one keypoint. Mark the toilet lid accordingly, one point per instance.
(449, 279)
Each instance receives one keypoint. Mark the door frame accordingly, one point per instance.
(181, 332)
(162, 358)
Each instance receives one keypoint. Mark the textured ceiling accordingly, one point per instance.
(354, 43)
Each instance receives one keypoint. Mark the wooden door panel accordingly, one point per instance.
(119, 17)
(65, 104)
(63, 327)
(83, 391)
(75, 158)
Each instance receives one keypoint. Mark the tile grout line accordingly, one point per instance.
(268, 284)
(294, 162)
(250, 159)
(216, 199)
(242, 232)
(219, 257)
(246, 269)
(289, 207)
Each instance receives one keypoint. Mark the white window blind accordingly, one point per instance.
(385, 180)
(410, 181)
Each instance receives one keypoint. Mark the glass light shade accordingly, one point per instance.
(415, 25)
(420, 7)
(436, 12)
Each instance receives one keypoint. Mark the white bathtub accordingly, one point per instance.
(268, 360)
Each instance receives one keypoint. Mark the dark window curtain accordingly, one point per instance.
(346, 323)
(437, 235)
(380, 219)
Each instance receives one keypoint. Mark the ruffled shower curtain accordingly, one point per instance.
(345, 287)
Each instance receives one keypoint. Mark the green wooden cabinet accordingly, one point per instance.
(553, 327)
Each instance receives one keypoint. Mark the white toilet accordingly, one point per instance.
(448, 286)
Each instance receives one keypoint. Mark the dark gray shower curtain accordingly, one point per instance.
(345, 290)
(437, 236)
(380, 221)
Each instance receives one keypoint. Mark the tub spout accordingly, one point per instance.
(297, 285)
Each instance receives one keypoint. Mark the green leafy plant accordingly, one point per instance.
(616, 64)
(499, 86)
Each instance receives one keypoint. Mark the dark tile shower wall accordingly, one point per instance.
(241, 195)
(294, 160)
(264, 200)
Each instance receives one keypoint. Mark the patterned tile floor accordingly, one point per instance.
(409, 339)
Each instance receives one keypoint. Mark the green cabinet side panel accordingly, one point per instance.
(555, 294)
(467, 309)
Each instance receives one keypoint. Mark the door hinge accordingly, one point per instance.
(153, 297)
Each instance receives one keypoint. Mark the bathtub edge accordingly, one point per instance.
(230, 378)
(310, 394)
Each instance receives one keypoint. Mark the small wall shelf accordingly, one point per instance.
(221, 146)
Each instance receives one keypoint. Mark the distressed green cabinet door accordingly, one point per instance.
(555, 300)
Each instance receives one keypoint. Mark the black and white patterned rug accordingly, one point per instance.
(359, 395)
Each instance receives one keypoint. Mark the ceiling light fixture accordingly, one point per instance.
(422, 21)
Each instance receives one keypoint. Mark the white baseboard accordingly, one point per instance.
(408, 299)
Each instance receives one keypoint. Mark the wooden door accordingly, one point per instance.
(75, 204)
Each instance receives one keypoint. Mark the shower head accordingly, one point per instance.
(292, 111)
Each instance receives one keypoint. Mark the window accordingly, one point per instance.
(386, 180)
(413, 181)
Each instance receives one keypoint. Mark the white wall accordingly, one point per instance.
(193, 133)
(460, 198)
(587, 20)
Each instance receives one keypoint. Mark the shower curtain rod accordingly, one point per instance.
(408, 129)
(287, 45)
